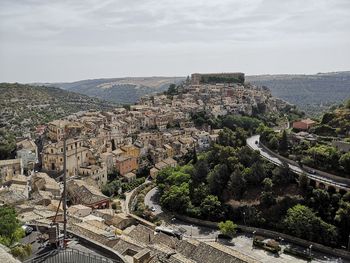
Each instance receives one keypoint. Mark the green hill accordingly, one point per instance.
(23, 107)
(313, 94)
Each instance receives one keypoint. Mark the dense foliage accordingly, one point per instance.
(7, 145)
(10, 228)
(232, 182)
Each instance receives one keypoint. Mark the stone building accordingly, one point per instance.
(77, 154)
(10, 168)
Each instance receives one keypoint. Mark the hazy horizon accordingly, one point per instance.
(65, 41)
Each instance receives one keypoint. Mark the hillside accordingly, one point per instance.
(22, 107)
(313, 94)
(338, 119)
(120, 90)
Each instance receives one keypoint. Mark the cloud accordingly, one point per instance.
(119, 28)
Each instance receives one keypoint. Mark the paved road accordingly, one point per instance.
(253, 142)
(151, 200)
(241, 243)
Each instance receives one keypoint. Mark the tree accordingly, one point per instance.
(7, 145)
(267, 199)
(10, 228)
(283, 144)
(172, 90)
(320, 202)
(342, 218)
(195, 158)
(268, 184)
(176, 198)
(211, 208)
(218, 178)
(199, 194)
(303, 181)
(234, 138)
(237, 183)
(302, 222)
(273, 143)
(113, 145)
(324, 156)
(345, 161)
(227, 228)
(282, 175)
(201, 171)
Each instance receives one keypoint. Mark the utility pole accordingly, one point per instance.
(64, 191)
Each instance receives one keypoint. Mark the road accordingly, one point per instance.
(254, 143)
(151, 200)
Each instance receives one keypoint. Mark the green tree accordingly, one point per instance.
(10, 228)
(324, 156)
(172, 90)
(302, 222)
(282, 175)
(211, 208)
(303, 181)
(176, 198)
(342, 219)
(237, 183)
(199, 194)
(113, 145)
(227, 228)
(201, 171)
(267, 199)
(7, 145)
(345, 161)
(273, 143)
(283, 144)
(268, 184)
(218, 178)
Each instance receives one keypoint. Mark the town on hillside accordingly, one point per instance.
(111, 156)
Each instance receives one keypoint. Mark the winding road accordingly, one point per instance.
(254, 143)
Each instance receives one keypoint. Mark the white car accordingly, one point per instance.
(27, 229)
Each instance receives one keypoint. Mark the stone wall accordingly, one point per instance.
(271, 234)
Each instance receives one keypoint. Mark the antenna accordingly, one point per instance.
(64, 190)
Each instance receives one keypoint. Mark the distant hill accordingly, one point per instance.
(313, 94)
(120, 90)
(22, 107)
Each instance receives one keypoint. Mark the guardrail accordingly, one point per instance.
(329, 179)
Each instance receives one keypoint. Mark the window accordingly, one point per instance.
(51, 150)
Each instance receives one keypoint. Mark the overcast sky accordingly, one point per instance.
(44, 40)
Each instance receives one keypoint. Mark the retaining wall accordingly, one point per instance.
(271, 234)
(307, 168)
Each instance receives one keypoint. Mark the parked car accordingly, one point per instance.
(27, 229)
(223, 236)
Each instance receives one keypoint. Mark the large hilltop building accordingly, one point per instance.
(212, 78)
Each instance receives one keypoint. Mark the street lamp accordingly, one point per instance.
(244, 218)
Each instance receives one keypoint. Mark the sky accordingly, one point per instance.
(68, 40)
